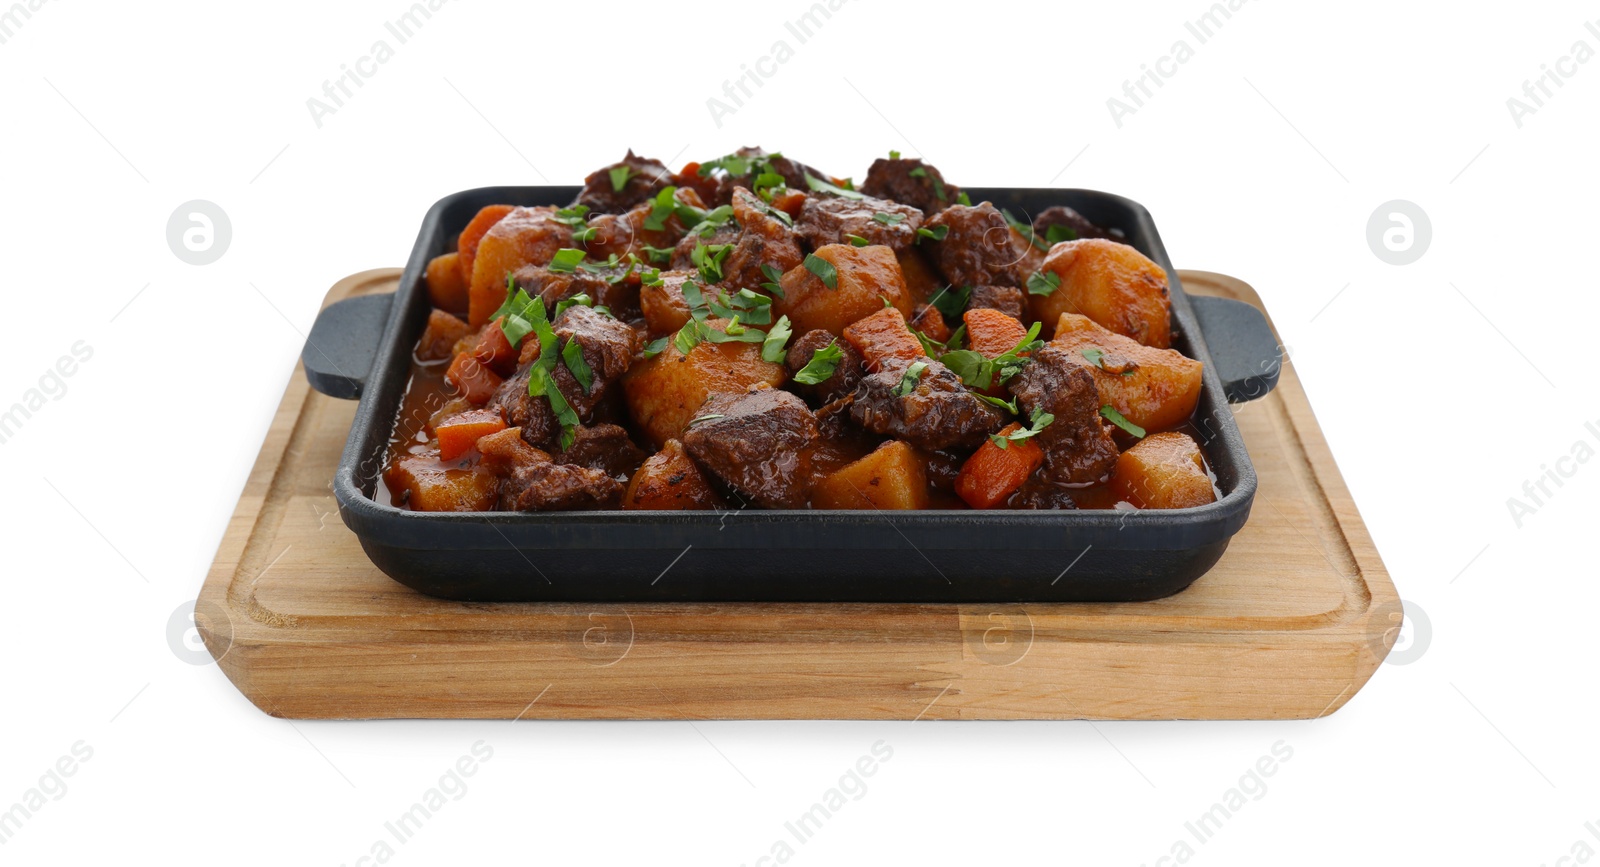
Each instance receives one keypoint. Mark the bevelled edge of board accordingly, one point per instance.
(892, 661)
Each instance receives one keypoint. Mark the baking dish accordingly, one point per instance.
(360, 348)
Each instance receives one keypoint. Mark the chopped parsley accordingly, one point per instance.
(572, 354)
(824, 270)
(774, 280)
(857, 241)
(573, 216)
(774, 347)
(566, 260)
(909, 380)
(656, 347)
(1024, 230)
(581, 299)
(1007, 405)
(1057, 233)
(1043, 282)
(662, 208)
(822, 364)
(517, 315)
(889, 219)
(712, 220)
(894, 155)
(952, 300)
(1036, 423)
(658, 255)
(980, 373)
(619, 178)
(708, 258)
(963, 199)
(821, 186)
(1110, 413)
(937, 233)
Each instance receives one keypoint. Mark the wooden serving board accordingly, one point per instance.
(1289, 624)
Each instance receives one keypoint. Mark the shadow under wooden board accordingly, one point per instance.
(1292, 621)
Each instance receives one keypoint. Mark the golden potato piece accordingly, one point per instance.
(665, 392)
(1111, 283)
(1154, 388)
(922, 281)
(424, 483)
(447, 288)
(669, 479)
(894, 476)
(866, 277)
(1163, 471)
(526, 236)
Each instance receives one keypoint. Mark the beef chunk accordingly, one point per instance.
(759, 443)
(554, 286)
(793, 173)
(1077, 447)
(1006, 299)
(645, 177)
(1060, 215)
(939, 413)
(604, 447)
(608, 346)
(763, 240)
(531, 481)
(683, 253)
(1041, 493)
(628, 232)
(845, 376)
(832, 219)
(910, 182)
(977, 248)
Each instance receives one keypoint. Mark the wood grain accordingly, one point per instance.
(1291, 622)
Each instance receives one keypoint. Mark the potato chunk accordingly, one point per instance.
(668, 479)
(1163, 471)
(1111, 283)
(866, 277)
(893, 477)
(1154, 388)
(424, 483)
(447, 286)
(525, 236)
(665, 392)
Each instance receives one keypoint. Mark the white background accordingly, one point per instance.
(1442, 387)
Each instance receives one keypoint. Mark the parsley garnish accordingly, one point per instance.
(517, 315)
(979, 372)
(909, 380)
(572, 216)
(857, 241)
(1036, 423)
(658, 255)
(822, 364)
(661, 209)
(822, 186)
(824, 270)
(889, 219)
(566, 260)
(572, 354)
(1057, 233)
(1110, 413)
(962, 199)
(894, 155)
(708, 258)
(655, 347)
(918, 172)
(1007, 405)
(1024, 230)
(745, 305)
(581, 299)
(774, 280)
(773, 348)
(1096, 357)
(713, 219)
(937, 233)
(619, 178)
(952, 300)
(1043, 282)
(732, 164)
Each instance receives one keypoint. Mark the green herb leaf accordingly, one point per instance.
(573, 216)
(540, 384)
(822, 186)
(619, 178)
(581, 299)
(572, 354)
(1057, 233)
(1007, 405)
(689, 336)
(822, 365)
(1110, 413)
(708, 258)
(857, 241)
(661, 209)
(889, 219)
(909, 380)
(1096, 357)
(656, 347)
(1037, 423)
(774, 348)
(712, 220)
(823, 269)
(1043, 282)
(696, 299)
(1024, 230)
(937, 233)
(566, 260)
(732, 164)
(774, 280)
(894, 155)
(918, 172)
(952, 300)
(962, 199)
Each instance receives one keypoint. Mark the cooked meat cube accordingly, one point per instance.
(937, 413)
(607, 345)
(1041, 493)
(604, 447)
(683, 253)
(554, 286)
(759, 443)
(846, 374)
(1068, 219)
(641, 179)
(976, 249)
(763, 240)
(670, 480)
(546, 486)
(833, 219)
(532, 415)
(1077, 447)
(910, 182)
(1006, 299)
(630, 232)
(793, 173)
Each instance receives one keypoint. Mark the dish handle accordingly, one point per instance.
(1244, 350)
(339, 352)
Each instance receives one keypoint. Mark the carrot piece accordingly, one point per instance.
(991, 333)
(493, 350)
(883, 336)
(993, 473)
(459, 433)
(931, 322)
(472, 379)
(472, 236)
(447, 286)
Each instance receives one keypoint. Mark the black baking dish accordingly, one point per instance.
(362, 348)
